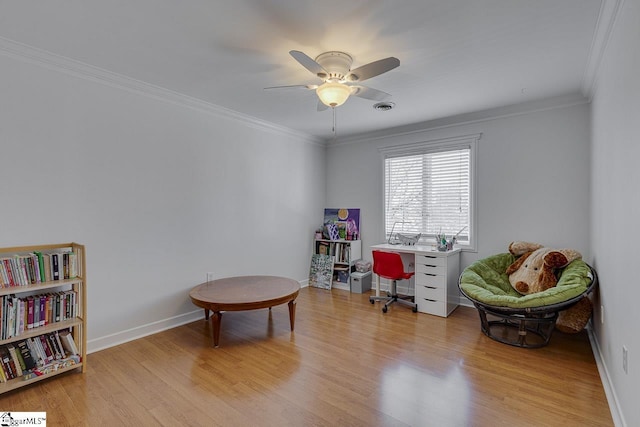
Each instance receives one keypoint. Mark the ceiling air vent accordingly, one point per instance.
(383, 106)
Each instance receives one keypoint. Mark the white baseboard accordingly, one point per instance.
(609, 391)
(402, 288)
(466, 302)
(122, 337)
(127, 335)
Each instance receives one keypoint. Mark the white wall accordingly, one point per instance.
(616, 207)
(159, 193)
(532, 182)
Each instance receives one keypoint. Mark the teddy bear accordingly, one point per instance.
(534, 271)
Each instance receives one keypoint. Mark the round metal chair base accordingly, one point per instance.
(517, 330)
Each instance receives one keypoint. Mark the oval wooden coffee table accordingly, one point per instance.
(244, 293)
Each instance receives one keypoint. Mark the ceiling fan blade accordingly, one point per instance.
(311, 87)
(369, 93)
(308, 63)
(373, 69)
(321, 106)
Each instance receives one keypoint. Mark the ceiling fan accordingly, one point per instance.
(339, 81)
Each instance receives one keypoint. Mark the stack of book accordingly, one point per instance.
(20, 314)
(339, 251)
(38, 355)
(38, 267)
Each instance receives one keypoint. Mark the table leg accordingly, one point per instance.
(215, 326)
(292, 313)
(206, 314)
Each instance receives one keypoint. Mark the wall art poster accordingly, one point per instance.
(347, 220)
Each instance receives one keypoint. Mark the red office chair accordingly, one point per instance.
(389, 265)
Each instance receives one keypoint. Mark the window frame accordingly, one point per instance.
(435, 146)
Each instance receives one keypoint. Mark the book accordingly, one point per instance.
(7, 363)
(47, 310)
(43, 312)
(16, 269)
(47, 267)
(61, 349)
(55, 266)
(30, 312)
(27, 357)
(65, 266)
(58, 353)
(36, 311)
(3, 321)
(73, 308)
(7, 267)
(23, 266)
(73, 265)
(11, 316)
(66, 338)
(36, 351)
(57, 307)
(41, 269)
(14, 358)
(3, 275)
(3, 375)
(46, 349)
(20, 326)
(28, 262)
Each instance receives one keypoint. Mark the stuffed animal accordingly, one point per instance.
(575, 318)
(535, 271)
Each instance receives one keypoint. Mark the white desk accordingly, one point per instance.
(436, 278)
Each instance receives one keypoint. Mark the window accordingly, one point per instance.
(428, 189)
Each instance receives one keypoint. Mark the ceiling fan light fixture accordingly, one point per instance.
(333, 94)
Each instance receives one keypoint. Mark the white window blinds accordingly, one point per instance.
(429, 193)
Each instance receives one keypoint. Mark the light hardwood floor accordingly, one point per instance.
(346, 364)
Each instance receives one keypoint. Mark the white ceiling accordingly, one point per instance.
(456, 56)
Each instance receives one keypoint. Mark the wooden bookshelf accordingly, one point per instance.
(31, 278)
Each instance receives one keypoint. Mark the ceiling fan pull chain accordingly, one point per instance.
(335, 132)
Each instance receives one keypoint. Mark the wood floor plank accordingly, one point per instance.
(346, 364)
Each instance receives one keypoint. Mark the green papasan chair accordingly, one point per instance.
(522, 320)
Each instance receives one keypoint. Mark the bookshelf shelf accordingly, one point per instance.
(21, 382)
(53, 327)
(39, 286)
(43, 284)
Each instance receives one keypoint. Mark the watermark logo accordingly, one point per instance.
(23, 419)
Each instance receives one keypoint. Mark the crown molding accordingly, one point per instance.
(529, 107)
(609, 12)
(94, 74)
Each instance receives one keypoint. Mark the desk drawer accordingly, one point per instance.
(431, 269)
(430, 292)
(431, 260)
(439, 308)
(430, 279)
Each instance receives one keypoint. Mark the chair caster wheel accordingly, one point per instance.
(384, 308)
(371, 301)
(414, 309)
